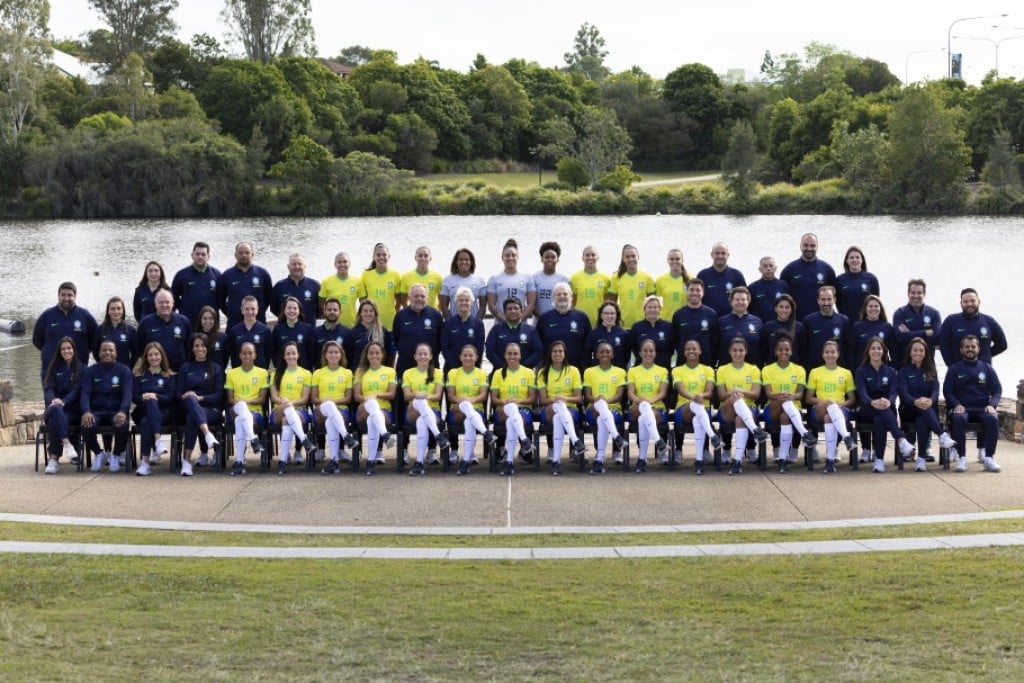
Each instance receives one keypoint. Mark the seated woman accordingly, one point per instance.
(106, 399)
(513, 393)
(604, 387)
(246, 394)
(332, 396)
(919, 398)
(208, 323)
(61, 390)
(467, 394)
(289, 396)
(739, 388)
(695, 385)
(831, 395)
(646, 387)
(877, 388)
(201, 393)
(784, 384)
(154, 391)
(560, 395)
(375, 387)
(423, 386)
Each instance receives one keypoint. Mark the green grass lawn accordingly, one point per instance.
(528, 179)
(935, 615)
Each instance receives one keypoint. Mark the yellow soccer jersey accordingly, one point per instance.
(672, 291)
(515, 385)
(381, 289)
(604, 383)
(833, 384)
(631, 291)
(246, 386)
(646, 382)
(373, 382)
(694, 380)
(467, 384)
(431, 280)
(589, 290)
(732, 377)
(346, 292)
(331, 385)
(293, 383)
(562, 384)
(790, 380)
(418, 381)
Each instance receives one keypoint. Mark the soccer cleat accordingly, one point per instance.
(115, 463)
(990, 464)
(556, 469)
(388, 440)
(617, 457)
(417, 469)
(809, 439)
(237, 468)
(186, 468)
(371, 468)
(463, 468)
(735, 467)
(142, 470)
(453, 457)
(442, 441)
(618, 443)
(332, 467)
(351, 441)
(752, 455)
(879, 466)
(320, 455)
(101, 459)
(698, 467)
(716, 441)
(760, 436)
(830, 466)
(597, 467)
(490, 439)
(257, 446)
(961, 463)
(51, 466)
(432, 457)
(920, 465)
(661, 448)
(507, 470)
(526, 450)
(851, 445)
(282, 468)
(946, 441)
(641, 466)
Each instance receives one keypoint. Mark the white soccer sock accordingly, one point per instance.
(739, 443)
(838, 419)
(422, 436)
(830, 441)
(286, 443)
(743, 412)
(472, 417)
(785, 441)
(427, 414)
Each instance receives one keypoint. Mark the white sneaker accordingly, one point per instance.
(617, 457)
(879, 465)
(70, 453)
(186, 468)
(991, 465)
(432, 457)
(920, 465)
(115, 463)
(51, 466)
(154, 458)
(906, 449)
(663, 460)
(343, 456)
(203, 461)
(453, 457)
(143, 469)
(961, 463)
(946, 441)
(867, 456)
(211, 440)
(101, 459)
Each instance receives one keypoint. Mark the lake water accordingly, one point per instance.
(107, 258)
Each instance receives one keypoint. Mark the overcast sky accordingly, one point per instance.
(658, 35)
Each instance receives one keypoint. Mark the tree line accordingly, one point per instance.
(193, 129)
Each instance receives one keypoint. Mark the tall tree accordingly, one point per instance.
(24, 45)
(269, 28)
(588, 53)
(355, 55)
(695, 91)
(135, 25)
(739, 160)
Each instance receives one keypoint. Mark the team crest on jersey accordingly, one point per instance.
(728, 286)
(983, 332)
(927, 320)
(618, 341)
(567, 381)
(661, 335)
(881, 335)
(391, 285)
(522, 381)
(885, 381)
(476, 382)
(216, 346)
(573, 326)
(206, 376)
(821, 277)
(778, 294)
(160, 382)
(750, 328)
(309, 295)
(300, 338)
(383, 376)
(749, 379)
(78, 325)
(981, 376)
(704, 325)
(640, 285)
(470, 333)
(835, 332)
(522, 336)
(255, 381)
(792, 379)
(426, 323)
(177, 331)
(115, 380)
(124, 337)
(255, 281)
(256, 338)
(213, 285)
(864, 287)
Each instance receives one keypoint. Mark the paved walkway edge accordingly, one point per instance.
(506, 531)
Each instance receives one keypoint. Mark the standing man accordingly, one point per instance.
(297, 285)
(805, 275)
(343, 287)
(719, 279)
(766, 290)
(195, 286)
(915, 320)
(697, 322)
(991, 338)
(565, 324)
(65, 320)
(170, 329)
(826, 324)
(972, 392)
(241, 280)
(589, 286)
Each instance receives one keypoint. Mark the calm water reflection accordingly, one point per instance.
(106, 258)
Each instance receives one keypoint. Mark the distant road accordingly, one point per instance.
(676, 181)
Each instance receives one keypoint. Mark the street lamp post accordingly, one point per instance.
(949, 38)
(995, 44)
(906, 65)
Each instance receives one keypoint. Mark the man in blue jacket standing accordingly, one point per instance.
(66, 319)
